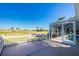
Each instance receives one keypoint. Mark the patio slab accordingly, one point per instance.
(41, 48)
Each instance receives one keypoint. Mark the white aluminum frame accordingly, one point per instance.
(62, 29)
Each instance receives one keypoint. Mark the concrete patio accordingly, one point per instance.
(41, 48)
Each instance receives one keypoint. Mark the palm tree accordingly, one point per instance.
(17, 28)
(37, 28)
(12, 28)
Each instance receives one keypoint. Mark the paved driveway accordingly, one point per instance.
(41, 48)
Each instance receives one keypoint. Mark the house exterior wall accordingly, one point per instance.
(77, 10)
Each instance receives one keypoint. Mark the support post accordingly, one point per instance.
(74, 32)
(62, 31)
(57, 31)
(50, 32)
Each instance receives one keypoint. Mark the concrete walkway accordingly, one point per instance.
(41, 48)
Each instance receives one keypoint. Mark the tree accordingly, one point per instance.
(41, 29)
(61, 18)
(12, 28)
(17, 28)
(37, 29)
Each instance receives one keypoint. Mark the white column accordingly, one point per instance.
(74, 32)
(52, 30)
(57, 31)
(62, 32)
(49, 32)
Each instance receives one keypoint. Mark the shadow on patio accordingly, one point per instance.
(41, 48)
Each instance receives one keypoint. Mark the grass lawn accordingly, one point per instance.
(21, 32)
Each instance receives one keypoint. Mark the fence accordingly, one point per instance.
(14, 39)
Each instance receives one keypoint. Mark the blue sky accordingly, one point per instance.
(31, 15)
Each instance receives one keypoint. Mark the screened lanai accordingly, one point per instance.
(66, 31)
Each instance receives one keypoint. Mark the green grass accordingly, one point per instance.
(21, 32)
(40, 38)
